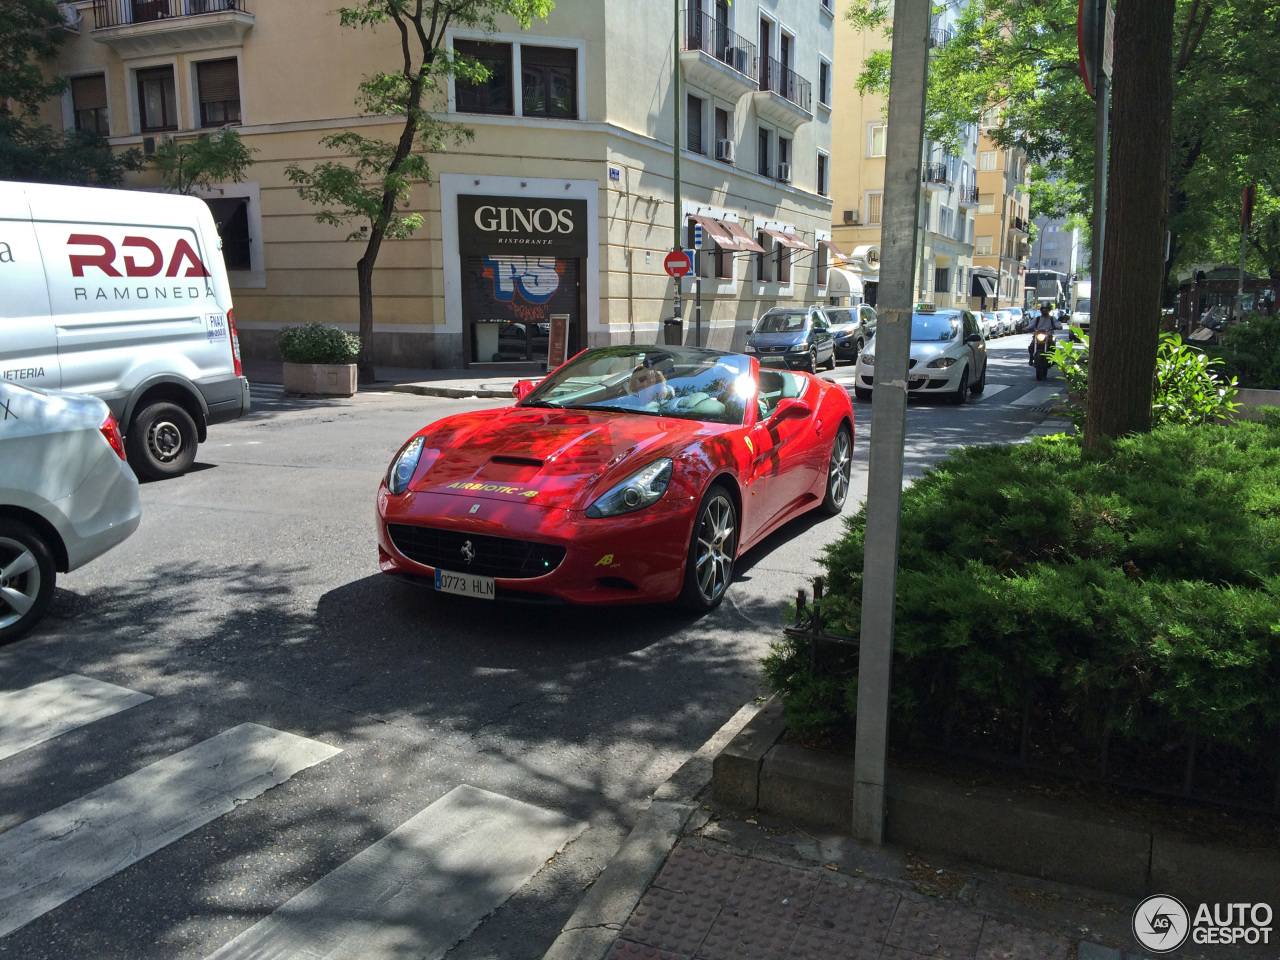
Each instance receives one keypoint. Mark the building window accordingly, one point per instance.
(982, 247)
(824, 83)
(762, 153)
(693, 126)
(784, 263)
(986, 203)
(722, 132)
(876, 139)
(157, 100)
(873, 207)
(487, 96)
(549, 79)
(823, 163)
(784, 159)
(231, 216)
(820, 264)
(763, 261)
(944, 220)
(89, 104)
(218, 83)
(724, 263)
(987, 160)
(942, 280)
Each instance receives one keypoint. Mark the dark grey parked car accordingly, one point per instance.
(799, 335)
(853, 327)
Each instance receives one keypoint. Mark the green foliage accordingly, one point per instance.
(316, 343)
(1190, 387)
(1250, 352)
(211, 158)
(30, 35)
(1141, 590)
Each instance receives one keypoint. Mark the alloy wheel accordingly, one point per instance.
(839, 469)
(19, 581)
(716, 539)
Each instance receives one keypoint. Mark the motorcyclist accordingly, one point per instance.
(1047, 323)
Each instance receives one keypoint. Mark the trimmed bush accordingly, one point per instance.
(1139, 593)
(316, 343)
(1250, 352)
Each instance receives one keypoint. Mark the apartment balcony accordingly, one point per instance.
(784, 98)
(935, 177)
(941, 36)
(717, 59)
(968, 199)
(1018, 224)
(139, 27)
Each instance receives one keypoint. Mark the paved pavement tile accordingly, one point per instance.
(932, 930)
(671, 921)
(747, 937)
(621, 950)
(898, 953)
(772, 890)
(1003, 941)
(710, 874)
(817, 943)
(860, 912)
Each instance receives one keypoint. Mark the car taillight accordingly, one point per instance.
(235, 341)
(111, 430)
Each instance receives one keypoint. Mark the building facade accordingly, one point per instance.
(562, 203)
(1002, 230)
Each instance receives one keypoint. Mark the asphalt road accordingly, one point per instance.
(250, 594)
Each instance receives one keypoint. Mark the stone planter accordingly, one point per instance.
(320, 379)
(1250, 400)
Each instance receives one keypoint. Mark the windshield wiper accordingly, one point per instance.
(542, 403)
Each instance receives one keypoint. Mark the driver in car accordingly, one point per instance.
(647, 384)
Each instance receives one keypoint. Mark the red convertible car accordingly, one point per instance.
(631, 474)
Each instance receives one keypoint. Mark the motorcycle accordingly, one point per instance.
(1042, 347)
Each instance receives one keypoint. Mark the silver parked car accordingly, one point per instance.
(66, 495)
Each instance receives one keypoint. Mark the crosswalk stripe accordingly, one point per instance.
(1038, 396)
(47, 861)
(46, 710)
(418, 890)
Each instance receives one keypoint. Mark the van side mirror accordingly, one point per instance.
(522, 389)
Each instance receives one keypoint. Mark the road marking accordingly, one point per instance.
(47, 861)
(418, 890)
(46, 710)
(990, 391)
(1039, 395)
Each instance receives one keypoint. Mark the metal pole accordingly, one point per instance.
(1244, 250)
(889, 410)
(675, 152)
(1101, 139)
(697, 301)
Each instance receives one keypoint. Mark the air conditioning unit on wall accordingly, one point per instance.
(724, 150)
(784, 173)
(851, 216)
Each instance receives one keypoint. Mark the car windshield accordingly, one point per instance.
(1082, 306)
(679, 382)
(781, 323)
(934, 327)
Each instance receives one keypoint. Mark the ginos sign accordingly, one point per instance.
(493, 219)
(150, 264)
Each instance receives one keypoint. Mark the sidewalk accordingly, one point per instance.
(424, 382)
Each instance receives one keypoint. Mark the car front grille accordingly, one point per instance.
(500, 557)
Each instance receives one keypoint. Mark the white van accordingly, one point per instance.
(122, 295)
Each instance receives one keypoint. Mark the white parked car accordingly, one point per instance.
(66, 495)
(948, 357)
(122, 295)
(1004, 323)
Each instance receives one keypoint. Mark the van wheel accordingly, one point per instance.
(26, 579)
(161, 441)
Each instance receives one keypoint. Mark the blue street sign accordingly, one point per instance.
(697, 236)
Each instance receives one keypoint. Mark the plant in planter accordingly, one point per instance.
(319, 360)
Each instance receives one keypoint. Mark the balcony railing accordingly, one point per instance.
(936, 173)
(1019, 224)
(969, 194)
(117, 13)
(786, 83)
(941, 36)
(704, 32)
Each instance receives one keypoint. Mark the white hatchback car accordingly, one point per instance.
(66, 495)
(948, 357)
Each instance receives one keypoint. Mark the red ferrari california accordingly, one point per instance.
(631, 474)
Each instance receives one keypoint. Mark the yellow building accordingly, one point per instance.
(1001, 239)
(562, 203)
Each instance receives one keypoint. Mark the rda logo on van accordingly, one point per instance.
(105, 257)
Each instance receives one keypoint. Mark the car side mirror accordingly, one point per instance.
(522, 389)
(792, 408)
(973, 338)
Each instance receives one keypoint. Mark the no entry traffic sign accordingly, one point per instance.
(677, 264)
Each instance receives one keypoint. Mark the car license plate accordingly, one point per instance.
(919, 377)
(464, 584)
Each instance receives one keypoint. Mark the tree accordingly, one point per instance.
(211, 158)
(377, 175)
(30, 35)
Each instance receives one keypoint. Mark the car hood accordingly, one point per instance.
(552, 458)
(774, 339)
(840, 329)
(921, 351)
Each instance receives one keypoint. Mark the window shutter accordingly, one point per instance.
(89, 93)
(694, 137)
(218, 80)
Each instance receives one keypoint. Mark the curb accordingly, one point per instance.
(588, 934)
(456, 393)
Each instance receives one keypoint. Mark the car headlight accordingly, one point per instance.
(748, 349)
(868, 358)
(642, 489)
(798, 347)
(403, 466)
(941, 362)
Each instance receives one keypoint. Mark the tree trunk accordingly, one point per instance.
(1126, 326)
(364, 278)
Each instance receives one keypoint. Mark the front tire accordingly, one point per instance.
(1042, 367)
(962, 394)
(708, 569)
(839, 472)
(162, 441)
(862, 393)
(27, 575)
(981, 384)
